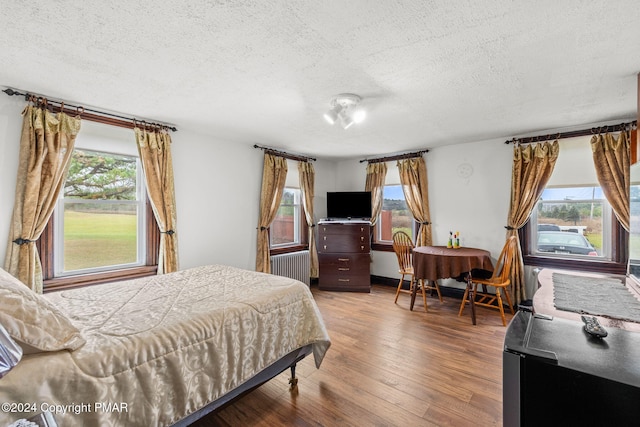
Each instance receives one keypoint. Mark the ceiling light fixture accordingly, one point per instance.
(332, 115)
(345, 108)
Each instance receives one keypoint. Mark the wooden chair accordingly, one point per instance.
(499, 280)
(403, 247)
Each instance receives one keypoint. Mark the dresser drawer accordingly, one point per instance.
(344, 229)
(347, 284)
(334, 243)
(346, 263)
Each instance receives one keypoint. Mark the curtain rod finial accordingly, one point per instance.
(10, 92)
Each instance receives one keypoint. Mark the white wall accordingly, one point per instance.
(10, 127)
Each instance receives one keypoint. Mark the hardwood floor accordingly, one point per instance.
(387, 366)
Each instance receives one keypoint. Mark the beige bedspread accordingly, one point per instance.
(160, 348)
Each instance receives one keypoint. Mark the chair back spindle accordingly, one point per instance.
(403, 247)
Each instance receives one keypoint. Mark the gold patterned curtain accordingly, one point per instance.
(413, 177)
(154, 148)
(532, 168)
(376, 174)
(611, 158)
(46, 146)
(306, 175)
(274, 176)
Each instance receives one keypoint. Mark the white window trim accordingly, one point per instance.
(140, 202)
(378, 230)
(607, 223)
(297, 220)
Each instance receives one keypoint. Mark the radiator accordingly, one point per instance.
(294, 265)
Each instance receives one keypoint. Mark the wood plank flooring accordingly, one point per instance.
(387, 366)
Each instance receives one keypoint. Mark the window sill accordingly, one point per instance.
(599, 266)
(288, 249)
(382, 246)
(71, 282)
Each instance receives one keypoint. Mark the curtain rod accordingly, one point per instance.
(573, 134)
(89, 114)
(395, 157)
(284, 154)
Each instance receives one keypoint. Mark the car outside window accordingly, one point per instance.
(572, 222)
(565, 242)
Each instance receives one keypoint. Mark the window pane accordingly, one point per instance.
(395, 215)
(285, 227)
(95, 175)
(99, 234)
(570, 222)
(100, 218)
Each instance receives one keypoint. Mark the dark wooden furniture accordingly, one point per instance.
(554, 373)
(344, 256)
(439, 262)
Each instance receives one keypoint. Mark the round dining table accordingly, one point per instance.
(439, 262)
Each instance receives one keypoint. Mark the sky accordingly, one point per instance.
(393, 192)
(575, 193)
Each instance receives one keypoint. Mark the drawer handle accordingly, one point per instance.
(362, 248)
(343, 269)
(361, 228)
(325, 247)
(361, 238)
(343, 280)
(340, 259)
(324, 237)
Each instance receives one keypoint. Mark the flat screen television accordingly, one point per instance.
(349, 204)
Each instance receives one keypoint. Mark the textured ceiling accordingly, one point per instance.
(430, 72)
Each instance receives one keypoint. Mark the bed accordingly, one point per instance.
(162, 350)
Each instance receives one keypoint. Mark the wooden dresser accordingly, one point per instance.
(344, 256)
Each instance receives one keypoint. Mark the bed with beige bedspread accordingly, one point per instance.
(154, 350)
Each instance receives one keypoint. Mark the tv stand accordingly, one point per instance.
(344, 255)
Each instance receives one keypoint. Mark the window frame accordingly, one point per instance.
(616, 265)
(608, 217)
(150, 240)
(387, 245)
(302, 231)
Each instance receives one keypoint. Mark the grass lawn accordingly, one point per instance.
(98, 239)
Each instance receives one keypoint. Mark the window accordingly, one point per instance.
(289, 226)
(103, 227)
(573, 225)
(572, 222)
(99, 220)
(394, 216)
